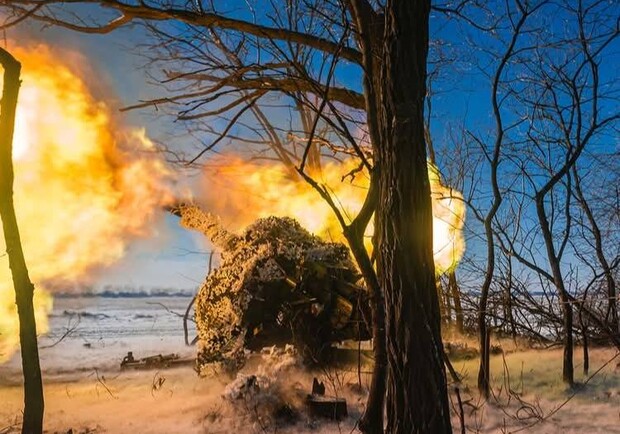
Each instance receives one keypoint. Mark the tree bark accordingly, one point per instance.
(508, 314)
(456, 296)
(558, 280)
(369, 33)
(24, 289)
(417, 400)
(371, 421)
(483, 329)
(584, 333)
(445, 308)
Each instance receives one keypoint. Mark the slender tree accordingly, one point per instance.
(494, 161)
(24, 289)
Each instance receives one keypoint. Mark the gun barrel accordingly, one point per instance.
(193, 217)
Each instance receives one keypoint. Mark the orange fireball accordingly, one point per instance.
(240, 192)
(81, 192)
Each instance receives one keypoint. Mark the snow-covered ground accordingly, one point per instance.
(96, 332)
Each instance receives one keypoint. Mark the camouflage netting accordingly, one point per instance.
(276, 284)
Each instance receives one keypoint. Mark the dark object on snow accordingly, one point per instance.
(323, 406)
(154, 362)
(276, 284)
(128, 359)
(318, 388)
(327, 407)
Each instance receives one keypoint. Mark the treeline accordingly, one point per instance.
(125, 292)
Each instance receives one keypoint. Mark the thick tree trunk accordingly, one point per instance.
(24, 289)
(417, 400)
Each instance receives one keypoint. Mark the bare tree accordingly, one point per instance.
(493, 156)
(486, 157)
(550, 106)
(24, 289)
(562, 101)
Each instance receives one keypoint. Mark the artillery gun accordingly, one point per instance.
(276, 284)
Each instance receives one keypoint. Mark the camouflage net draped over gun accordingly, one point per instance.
(276, 284)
